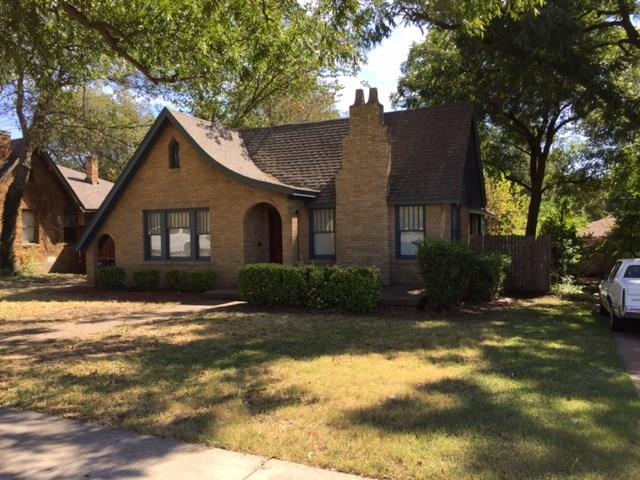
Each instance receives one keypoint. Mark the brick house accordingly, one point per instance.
(353, 191)
(56, 206)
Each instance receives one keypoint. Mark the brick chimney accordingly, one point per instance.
(364, 236)
(92, 170)
(5, 145)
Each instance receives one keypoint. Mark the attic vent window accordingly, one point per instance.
(174, 154)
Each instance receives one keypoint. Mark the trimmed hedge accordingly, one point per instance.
(488, 277)
(145, 280)
(196, 281)
(348, 289)
(453, 273)
(111, 278)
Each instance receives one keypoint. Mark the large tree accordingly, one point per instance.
(520, 72)
(102, 122)
(193, 52)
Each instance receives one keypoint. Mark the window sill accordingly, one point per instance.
(176, 262)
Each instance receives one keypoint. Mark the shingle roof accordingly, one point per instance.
(226, 148)
(87, 195)
(428, 152)
(90, 195)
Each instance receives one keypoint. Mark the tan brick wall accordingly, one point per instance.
(362, 219)
(47, 199)
(196, 184)
(437, 225)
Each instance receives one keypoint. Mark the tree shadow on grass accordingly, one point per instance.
(545, 353)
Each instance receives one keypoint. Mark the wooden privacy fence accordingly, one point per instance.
(530, 259)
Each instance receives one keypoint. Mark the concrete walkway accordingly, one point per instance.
(34, 446)
(94, 326)
(629, 347)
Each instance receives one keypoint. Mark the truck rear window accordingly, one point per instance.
(633, 271)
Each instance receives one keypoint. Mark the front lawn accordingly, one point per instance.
(533, 389)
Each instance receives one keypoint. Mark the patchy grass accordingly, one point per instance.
(533, 389)
(35, 299)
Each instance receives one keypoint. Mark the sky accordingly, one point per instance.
(381, 70)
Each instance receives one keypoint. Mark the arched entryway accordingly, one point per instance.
(262, 234)
(106, 251)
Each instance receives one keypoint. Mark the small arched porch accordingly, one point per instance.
(263, 234)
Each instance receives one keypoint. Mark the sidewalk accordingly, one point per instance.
(35, 446)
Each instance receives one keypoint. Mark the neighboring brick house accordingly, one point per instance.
(56, 206)
(354, 191)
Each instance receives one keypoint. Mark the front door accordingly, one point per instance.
(275, 236)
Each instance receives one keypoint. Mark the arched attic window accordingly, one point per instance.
(174, 154)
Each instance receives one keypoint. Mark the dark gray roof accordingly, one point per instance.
(428, 148)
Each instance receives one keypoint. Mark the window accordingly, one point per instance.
(455, 223)
(70, 228)
(179, 230)
(174, 154)
(202, 231)
(476, 224)
(29, 227)
(614, 271)
(154, 235)
(177, 235)
(410, 230)
(323, 236)
(633, 271)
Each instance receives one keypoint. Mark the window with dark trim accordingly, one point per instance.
(476, 224)
(70, 227)
(455, 223)
(177, 235)
(29, 227)
(174, 154)
(323, 233)
(410, 230)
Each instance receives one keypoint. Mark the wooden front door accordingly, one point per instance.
(275, 236)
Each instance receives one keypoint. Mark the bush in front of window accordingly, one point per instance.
(145, 280)
(453, 273)
(192, 281)
(111, 278)
(488, 276)
(347, 289)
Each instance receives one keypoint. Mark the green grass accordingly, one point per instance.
(530, 390)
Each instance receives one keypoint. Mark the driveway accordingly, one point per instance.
(34, 446)
(629, 347)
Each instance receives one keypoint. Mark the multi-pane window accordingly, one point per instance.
(177, 235)
(323, 236)
(174, 154)
(410, 230)
(70, 227)
(29, 227)
(476, 224)
(203, 233)
(153, 227)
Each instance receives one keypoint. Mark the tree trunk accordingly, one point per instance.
(534, 209)
(10, 214)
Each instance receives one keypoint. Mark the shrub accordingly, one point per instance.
(487, 276)
(196, 281)
(445, 270)
(111, 278)
(348, 289)
(453, 273)
(145, 280)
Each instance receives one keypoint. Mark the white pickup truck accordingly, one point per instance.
(620, 293)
